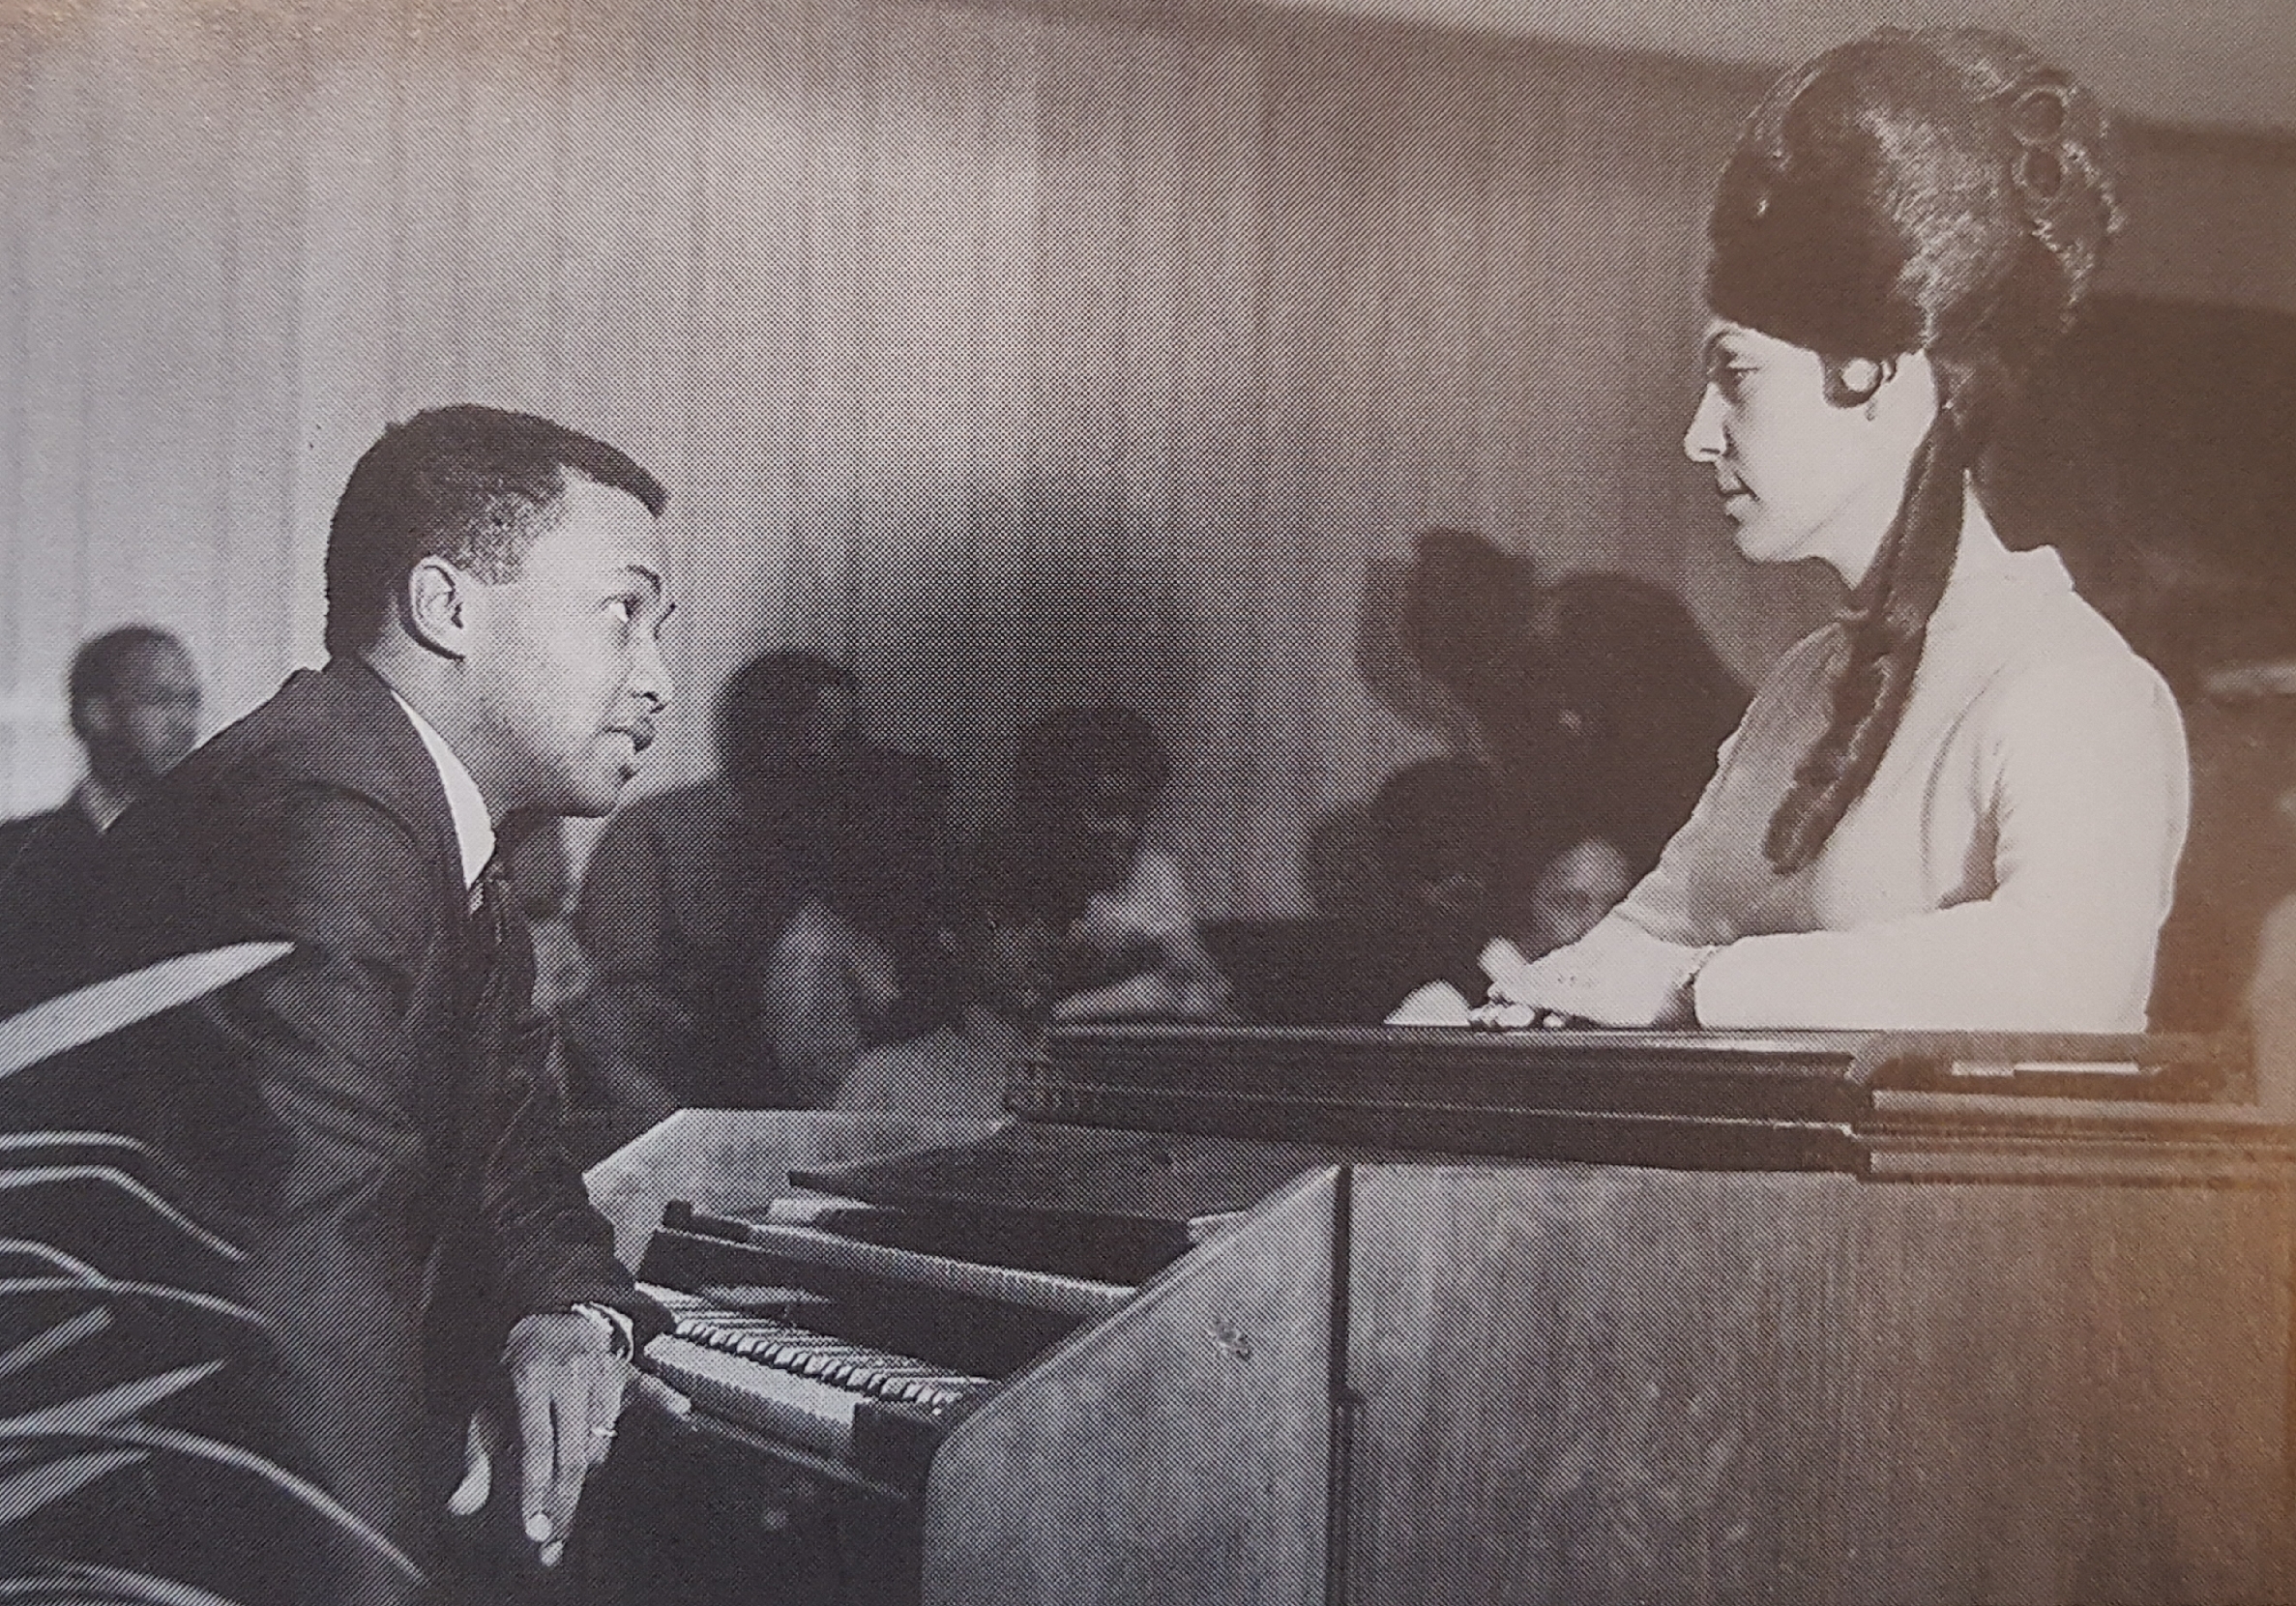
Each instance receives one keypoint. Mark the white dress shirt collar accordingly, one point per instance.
(474, 827)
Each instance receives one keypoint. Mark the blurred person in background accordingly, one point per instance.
(1574, 888)
(1086, 782)
(1003, 944)
(135, 699)
(748, 934)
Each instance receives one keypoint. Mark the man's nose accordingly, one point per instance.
(649, 673)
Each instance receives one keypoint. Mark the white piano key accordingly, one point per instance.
(777, 1402)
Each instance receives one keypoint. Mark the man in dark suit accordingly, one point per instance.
(134, 703)
(377, 1112)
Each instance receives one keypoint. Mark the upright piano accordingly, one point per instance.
(1242, 1316)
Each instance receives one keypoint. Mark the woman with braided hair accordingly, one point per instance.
(1960, 805)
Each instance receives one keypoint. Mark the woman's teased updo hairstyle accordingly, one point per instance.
(1944, 192)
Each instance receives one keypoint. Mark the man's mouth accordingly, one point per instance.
(640, 732)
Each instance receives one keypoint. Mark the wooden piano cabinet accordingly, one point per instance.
(1179, 1452)
(732, 1161)
(1586, 1384)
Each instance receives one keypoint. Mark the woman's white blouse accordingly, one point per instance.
(2008, 868)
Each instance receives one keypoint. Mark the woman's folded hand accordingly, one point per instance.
(1615, 976)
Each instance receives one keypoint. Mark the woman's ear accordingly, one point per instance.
(1856, 380)
(1906, 397)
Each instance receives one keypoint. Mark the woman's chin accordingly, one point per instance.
(1759, 544)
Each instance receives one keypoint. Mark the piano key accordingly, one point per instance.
(774, 1401)
(815, 1356)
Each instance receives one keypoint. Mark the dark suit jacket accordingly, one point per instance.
(41, 855)
(374, 1112)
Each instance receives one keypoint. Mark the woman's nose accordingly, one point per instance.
(1703, 441)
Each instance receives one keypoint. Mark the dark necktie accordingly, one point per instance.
(489, 917)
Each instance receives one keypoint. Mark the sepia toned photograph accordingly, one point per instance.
(1015, 802)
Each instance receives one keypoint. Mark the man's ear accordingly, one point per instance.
(438, 606)
(94, 717)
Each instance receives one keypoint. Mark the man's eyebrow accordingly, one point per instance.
(651, 578)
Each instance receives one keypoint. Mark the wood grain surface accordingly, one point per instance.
(1179, 1452)
(1590, 1385)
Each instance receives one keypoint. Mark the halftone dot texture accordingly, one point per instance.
(1018, 358)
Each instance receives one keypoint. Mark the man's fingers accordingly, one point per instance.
(470, 1496)
(538, 1454)
(605, 1406)
(570, 1409)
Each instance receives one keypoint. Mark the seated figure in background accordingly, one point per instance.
(1436, 825)
(1569, 892)
(133, 699)
(1628, 706)
(1444, 890)
(1085, 782)
(1576, 887)
(748, 934)
(1002, 941)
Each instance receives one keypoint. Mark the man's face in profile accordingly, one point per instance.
(148, 721)
(565, 659)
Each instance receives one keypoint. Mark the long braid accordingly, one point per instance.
(1887, 628)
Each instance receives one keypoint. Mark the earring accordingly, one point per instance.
(1873, 407)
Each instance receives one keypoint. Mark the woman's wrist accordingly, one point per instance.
(1685, 993)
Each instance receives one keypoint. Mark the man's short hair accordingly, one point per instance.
(469, 483)
(101, 660)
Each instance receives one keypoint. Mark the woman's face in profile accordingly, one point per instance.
(1798, 476)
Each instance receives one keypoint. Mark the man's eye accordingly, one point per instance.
(625, 608)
